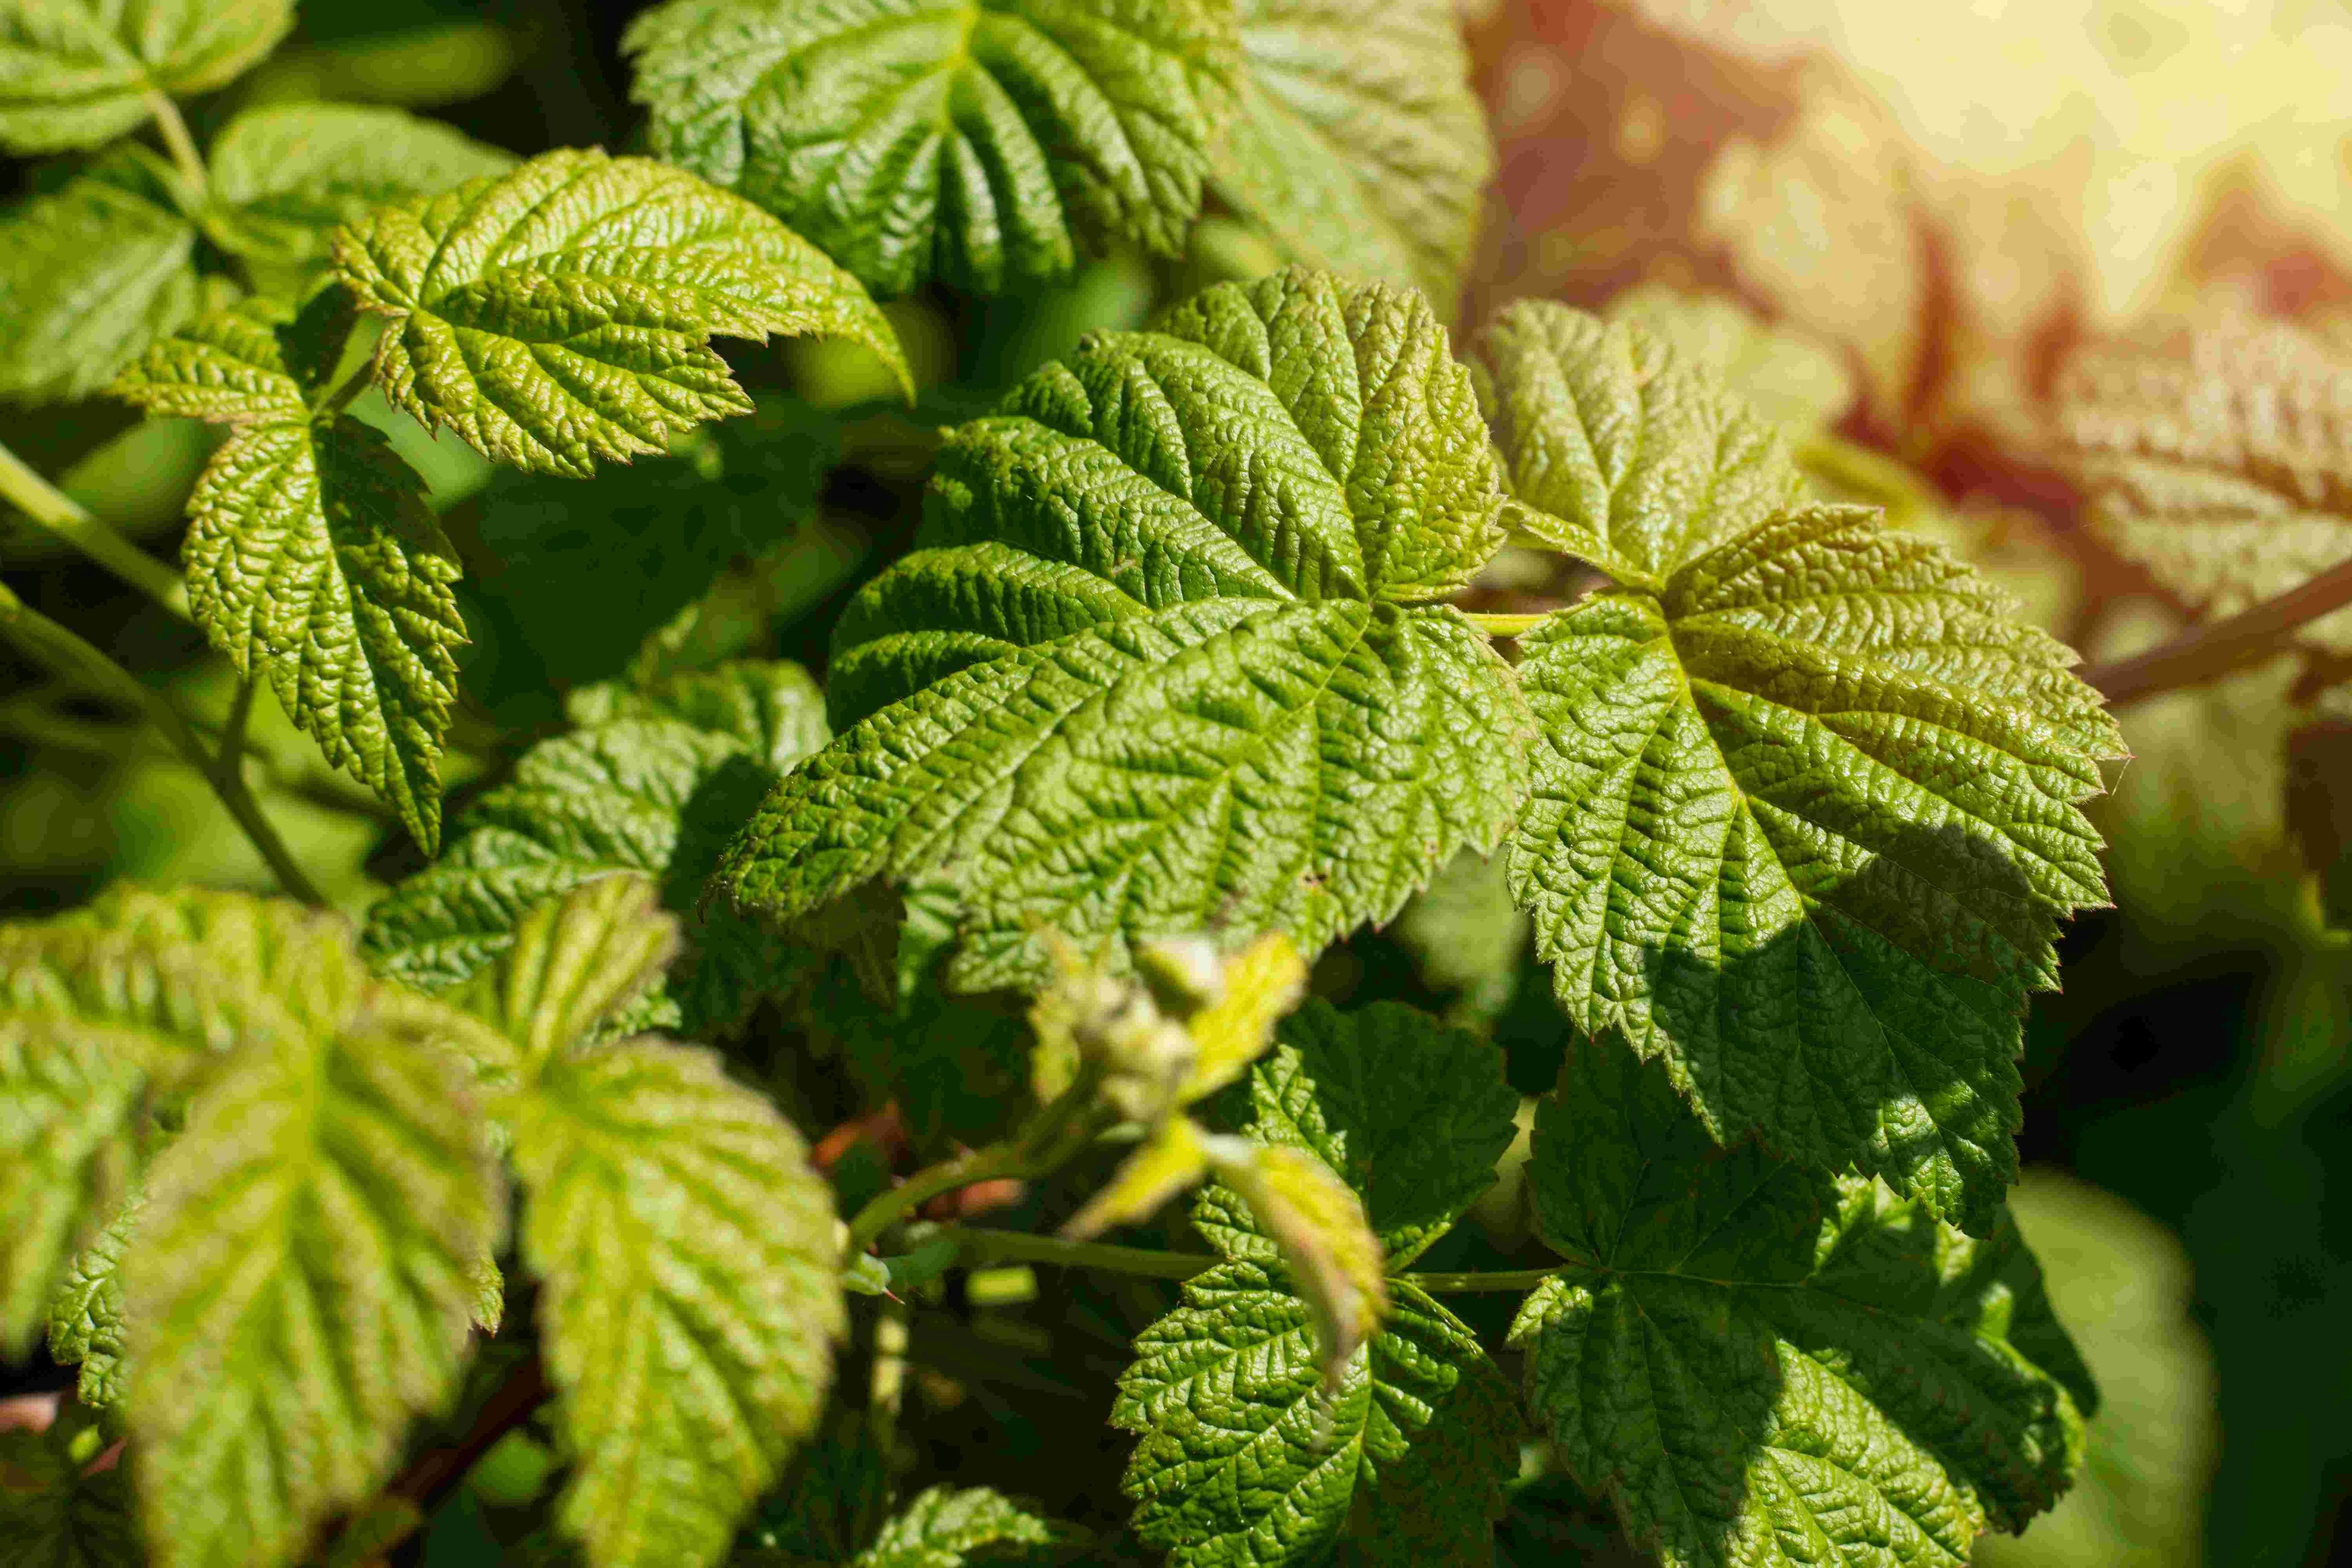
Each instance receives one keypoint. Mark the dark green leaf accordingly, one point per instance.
(982, 143)
(651, 794)
(1410, 1113)
(1247, 1459)
(1761, 1363)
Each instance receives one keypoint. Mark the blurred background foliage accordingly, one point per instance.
(1896, 227)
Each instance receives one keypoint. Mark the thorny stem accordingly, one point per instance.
(176, 140)
(980, 1245)
(63, 516)
(70, 658)
(2211, 651)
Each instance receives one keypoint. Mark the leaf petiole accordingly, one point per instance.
(68, 656)
(69, 521)
(177, 141)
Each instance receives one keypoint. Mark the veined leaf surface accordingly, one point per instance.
(563, 313)
(1760, 1363)
(982, 142)
(90, 275)
(1165, 665)
(74, 73)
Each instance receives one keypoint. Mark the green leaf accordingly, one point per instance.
(1759, 1362)
(1412, 1114)
(302, 1279)
(1807, 815)
(689, 1293)
(74, 73)
(90, 275)
(650, 793)
(283, 176)
(574, 963)
(312, 559)
(948, 1526)
(1805, 827)
(1358, 145)
(102, 1013)
(86, 1314)
(1797, 382)
(1165, 667)
(563, 313)
(52, 1515)
(1617, 452)
(956, 1067)
(981, 143)
(583, 575)
(1247, 1459)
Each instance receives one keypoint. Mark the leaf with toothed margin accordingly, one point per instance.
(1805, 827)
(75, 73)
(980, 144)
(1358, 143)
(948, 1526)
(90, 274)
(103, 1013)
(1249, 1459)
(561, 314)
(1412, 1114)
(312, 559)
(86, 1314)
(1762, 1364)
(303, 1281)
(1167, 663)
(1616, 451)
(655, 781)
(1807, 810)
(690, 1292)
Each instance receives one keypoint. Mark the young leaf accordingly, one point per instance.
(1248, 1459)
(74, 73)
(2217, 453)
(650, 793)
(53, 1514)
(1412, 1114)
(284, 176)
(948, 1526)
(90, 274)
(574, 964)
(981, 144)
(563, 313)
(1165, 667)
(1618, 453)
(689, 1292)
(86, 1313)
(1358, 143)
(312, 559)
(102, 1012)
(1799, 382)
(1758, 1362)
(1806, 818)
(302, 1279)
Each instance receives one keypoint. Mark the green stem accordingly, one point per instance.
(70, 658)
(1496, 624)
(177, 141)
(65, 517)
(2210, 652)
(348, 388)
(887, 1208)
(988, 1246)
